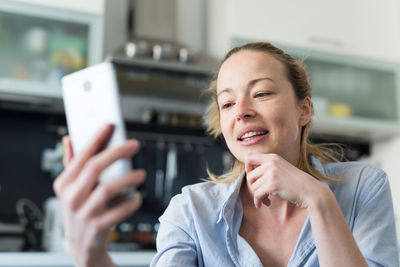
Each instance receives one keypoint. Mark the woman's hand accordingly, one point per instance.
(270, 174)
(87, 216)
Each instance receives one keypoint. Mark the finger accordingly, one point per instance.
(77, 163)
(94, 147)
(256, 182)
(254, 175)
(67, 150)
(260, 183)
(260, 196)
(101, 161)
(115, 215)
(104, 193)
(256, 159)
(253, 160)
(90, 174)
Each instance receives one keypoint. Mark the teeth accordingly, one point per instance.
(250, 135)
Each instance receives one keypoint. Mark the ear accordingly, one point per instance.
(305, 111)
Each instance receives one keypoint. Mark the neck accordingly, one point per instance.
(280, 210)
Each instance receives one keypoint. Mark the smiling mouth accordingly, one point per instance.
(249, 135)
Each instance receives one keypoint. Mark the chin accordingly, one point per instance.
(242, 153)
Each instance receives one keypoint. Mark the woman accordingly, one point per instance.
(285, 202)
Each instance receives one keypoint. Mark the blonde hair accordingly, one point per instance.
(297, 76)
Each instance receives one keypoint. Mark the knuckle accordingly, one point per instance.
(120, 150)
(275, 156)
(258, 194)
(70, 202)
(142, 173)
(96, 226)
(138, 200)
(273, 168)
(57, 184)
(105, 191)
(83, 217)
(142, 176)
(252, 180)
(274, 161)
(92, 167)
(86, 151)
(273, 173)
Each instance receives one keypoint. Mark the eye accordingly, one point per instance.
(262, 94)
(227, 105)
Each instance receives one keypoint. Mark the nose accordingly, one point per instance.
(244, 110)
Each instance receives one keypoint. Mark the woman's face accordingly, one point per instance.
(259, 111)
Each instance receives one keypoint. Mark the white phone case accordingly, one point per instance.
(91, 100)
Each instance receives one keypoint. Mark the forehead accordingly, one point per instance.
(248, 65)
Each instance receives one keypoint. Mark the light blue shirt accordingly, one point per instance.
(201, 225)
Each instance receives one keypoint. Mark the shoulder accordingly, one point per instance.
(355, 172)
(362, 182)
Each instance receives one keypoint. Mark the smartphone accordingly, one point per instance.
(91, 100)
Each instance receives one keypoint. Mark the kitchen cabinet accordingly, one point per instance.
(353, 96)
(363, 28)
(41, 41)
(112, 16)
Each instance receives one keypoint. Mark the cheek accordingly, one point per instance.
(224, 126)
(287, 123)
(227, 131)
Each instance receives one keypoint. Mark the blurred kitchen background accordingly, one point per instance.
(165, 53)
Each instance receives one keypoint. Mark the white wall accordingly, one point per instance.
(218, 41)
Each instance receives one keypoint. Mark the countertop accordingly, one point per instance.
(46, 259)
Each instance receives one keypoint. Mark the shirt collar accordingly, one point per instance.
(316, 163)
(231, 196)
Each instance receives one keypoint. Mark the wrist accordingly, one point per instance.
(320, 199)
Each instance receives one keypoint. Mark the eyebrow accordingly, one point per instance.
(249, 84)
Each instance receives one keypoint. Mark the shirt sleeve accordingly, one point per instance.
(175, 246)
(374, 225)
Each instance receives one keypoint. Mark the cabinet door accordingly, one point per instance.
(39, 45)
(359, 27)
